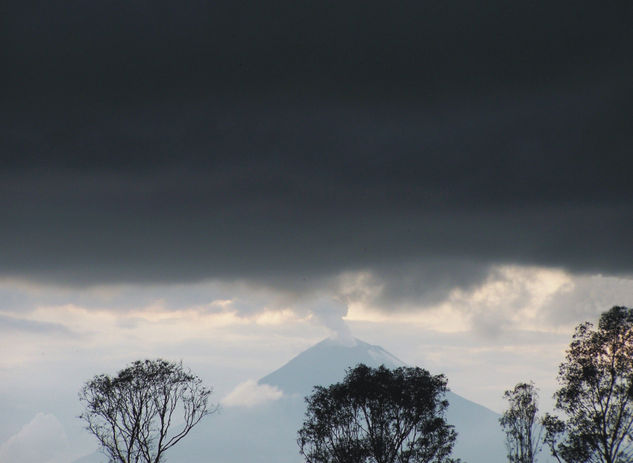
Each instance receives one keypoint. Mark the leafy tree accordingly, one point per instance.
(521, 424)
(554, 429)
(596, 394)
(133, 415)
(377, 415)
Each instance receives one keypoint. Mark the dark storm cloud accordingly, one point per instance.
(285, 142)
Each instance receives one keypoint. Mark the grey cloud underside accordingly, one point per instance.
(288, 143)
(10, 325)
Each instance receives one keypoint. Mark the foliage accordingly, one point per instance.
(133, 414)
(377, 415)
(554, 429)
(596, 394)
(520, 422)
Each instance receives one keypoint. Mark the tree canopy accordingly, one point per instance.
(521, 424)
(596, 393)
(377, 415)
(144, 410)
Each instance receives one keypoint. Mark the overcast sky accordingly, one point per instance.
(229, 182)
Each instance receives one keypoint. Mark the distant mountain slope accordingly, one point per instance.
(325, 363)
(480, 439)
(267, 433)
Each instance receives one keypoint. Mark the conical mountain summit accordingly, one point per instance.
(325, 363)
(480, 439)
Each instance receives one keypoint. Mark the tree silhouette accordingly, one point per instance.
(521, 424)
(596, 394)
(133, 415)
(378, 415)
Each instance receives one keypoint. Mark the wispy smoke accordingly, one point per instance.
(330, 313)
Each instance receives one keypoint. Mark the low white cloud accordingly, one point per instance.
(250, 393)
(42, 440)
(511, 298)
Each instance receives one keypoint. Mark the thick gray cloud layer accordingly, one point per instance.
(288, 142)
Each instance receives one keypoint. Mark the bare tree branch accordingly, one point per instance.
(131, 414)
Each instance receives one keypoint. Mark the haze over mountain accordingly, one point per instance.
(266, 432)
(479, 439)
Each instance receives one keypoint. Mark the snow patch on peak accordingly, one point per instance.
(343, 341)
(326, 363)
(381, 356)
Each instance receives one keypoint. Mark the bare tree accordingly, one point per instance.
(145, 410)
(521, 424)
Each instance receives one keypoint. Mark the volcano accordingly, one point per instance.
(267, 432)
(325, 363)
(479, 437)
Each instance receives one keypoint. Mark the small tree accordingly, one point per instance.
(596, 394)
(133, 414)
(378, 415)
(521, 424)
